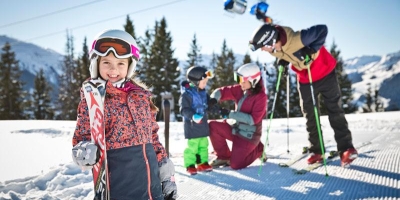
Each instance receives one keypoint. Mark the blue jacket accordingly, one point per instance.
(192, 101)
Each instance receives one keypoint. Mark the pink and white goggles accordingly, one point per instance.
(240, 78)
(121, 48)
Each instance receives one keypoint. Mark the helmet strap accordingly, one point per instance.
(131, 69)
(93, 68)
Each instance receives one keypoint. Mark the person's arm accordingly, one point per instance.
(157, 146)
(314, 37)
(232, 92)
(185, 108)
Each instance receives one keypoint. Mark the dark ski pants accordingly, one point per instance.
(243, 151)
(328, 87)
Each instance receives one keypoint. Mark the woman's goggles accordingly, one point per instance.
(240, 79)
(121, 48)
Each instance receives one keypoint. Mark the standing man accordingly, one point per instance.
(302, 49)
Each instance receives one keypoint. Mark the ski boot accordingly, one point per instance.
(204, 167)
(348, 156)
(191, 170)
(314, 158)
(219, 162)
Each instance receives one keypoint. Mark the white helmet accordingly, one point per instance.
(250, 72)
(120, 42)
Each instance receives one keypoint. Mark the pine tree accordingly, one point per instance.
(367, 108)
(11, 92)
(83, 64)
(42, 108)
(129, 28)
(69, 96)
(377, 101)
(247, 59)
(224, 71)
(145, 44)
(163, 66)
(212, 66)
(194, 55)
(373, 102)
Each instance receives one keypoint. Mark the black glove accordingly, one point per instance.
(213, 107)
(212, 102)
(285, 65)
(304, 54)
(224, 112)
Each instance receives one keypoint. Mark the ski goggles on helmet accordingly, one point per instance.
(121, 48)
(240, 78)
(208, 74)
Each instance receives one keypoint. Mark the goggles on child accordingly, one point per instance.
(121, 48)
(208, 74)
(240, 79)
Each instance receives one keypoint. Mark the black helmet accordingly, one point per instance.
(265, 35)
(196, 73)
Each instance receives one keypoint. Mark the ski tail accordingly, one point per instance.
(167, 113)
(94, 91)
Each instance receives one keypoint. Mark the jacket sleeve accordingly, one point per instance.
(82, 129)
(232, 92)
(157, 146)
(314, 37)
(185, 108)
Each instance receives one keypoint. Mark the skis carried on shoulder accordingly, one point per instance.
(331, 157)
(95, 91)
(167, 112)
(295, 159)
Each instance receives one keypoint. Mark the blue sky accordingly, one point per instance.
(359, 27)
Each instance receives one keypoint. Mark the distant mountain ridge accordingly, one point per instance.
(376, 72)
(32, 58)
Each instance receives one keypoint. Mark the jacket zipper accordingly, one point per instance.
(148, 171)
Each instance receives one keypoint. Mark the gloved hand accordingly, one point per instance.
(197, 118)
(304, 54)
(85, 154)
(213, 107)
(285, 65)
(167, 172)
(224, 112)
(212, 102)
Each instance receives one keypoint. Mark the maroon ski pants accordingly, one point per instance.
(243, 153)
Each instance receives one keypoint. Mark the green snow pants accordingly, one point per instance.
(196, 146)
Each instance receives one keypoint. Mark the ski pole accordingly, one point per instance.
(316, 114)
(280, 69)
(287, 109)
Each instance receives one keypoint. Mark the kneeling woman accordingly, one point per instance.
(244, 125)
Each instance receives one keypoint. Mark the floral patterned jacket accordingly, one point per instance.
(129, 120)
